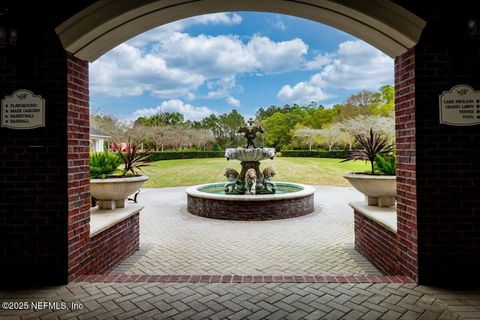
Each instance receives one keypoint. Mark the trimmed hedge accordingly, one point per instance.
(172, 155)
(338, 154)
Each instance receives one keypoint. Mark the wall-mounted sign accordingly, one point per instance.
(23, 110)
(460, 106)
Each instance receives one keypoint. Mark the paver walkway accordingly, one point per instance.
(246, 301)
(176, 242)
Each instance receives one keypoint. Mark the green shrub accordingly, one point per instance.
(217, 147)
(386, 164)
(103, 164)
(172, 155)
(338, 154)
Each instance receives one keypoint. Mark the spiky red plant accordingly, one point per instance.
(371, 145)
(132, 161)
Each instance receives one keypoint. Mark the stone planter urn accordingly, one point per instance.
(112, 192)
(379, 190)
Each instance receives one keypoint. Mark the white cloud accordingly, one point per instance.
(233, 102)
(224, 18)
(178, 65)
(276, 57)
(318, 62)
(189, 112)
(127, 71)
(226, 55)
(280, 25)
(222, 87)
(358, 65)
(277, 23)
(170, 64)
(355, 66)
(162, 32)
(302, 92)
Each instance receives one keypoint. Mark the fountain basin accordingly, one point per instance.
(210, 201)
(245, 154)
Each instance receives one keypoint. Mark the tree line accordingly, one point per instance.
(286, 127)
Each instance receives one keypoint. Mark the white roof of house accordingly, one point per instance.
(95, 133)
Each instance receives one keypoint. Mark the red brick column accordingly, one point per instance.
(78, 129)
(397, 254)
(43, 182)
(406, 249)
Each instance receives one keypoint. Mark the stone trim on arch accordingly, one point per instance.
(108, 23)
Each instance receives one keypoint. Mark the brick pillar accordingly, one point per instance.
(396, 253)
(78, 130)
(44, 195)
(33, 166)
(446, 158)
(406, 248)
(448, 165)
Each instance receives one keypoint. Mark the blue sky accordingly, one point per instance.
(217, 62)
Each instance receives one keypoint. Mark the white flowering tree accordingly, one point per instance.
(331, 136)
(308, 136)
(362, 124)
(199, 137)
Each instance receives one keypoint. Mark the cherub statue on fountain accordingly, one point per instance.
(250, 131)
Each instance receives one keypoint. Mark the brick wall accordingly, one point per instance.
(438, 174)
(33, 163)
(377, 243)
(406, 165)
(448, 170)
(78, 137)
(44, 182)
(400, 257)
(250, 210)
(113, 245)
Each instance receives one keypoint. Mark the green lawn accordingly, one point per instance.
(170, 173)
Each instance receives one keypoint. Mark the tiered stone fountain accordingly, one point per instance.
(250, 194)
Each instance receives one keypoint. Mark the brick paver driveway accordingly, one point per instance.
(176, 242)
(245, 301)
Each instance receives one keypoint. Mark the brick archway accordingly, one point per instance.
(106, 24)
(102, 26)
(44, 188)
